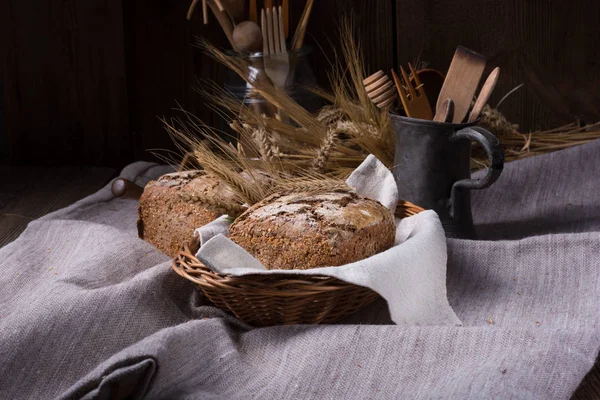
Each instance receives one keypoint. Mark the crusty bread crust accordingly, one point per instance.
(302, 231)
(167, 217)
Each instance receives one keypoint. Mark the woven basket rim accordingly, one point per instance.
(186, 257)
(251, 282)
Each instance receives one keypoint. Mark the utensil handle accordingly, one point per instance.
(124, 188)
(286, 17)
(298, 39)
(253, 13)
(224, 21)
(491, 145)
(484, 95)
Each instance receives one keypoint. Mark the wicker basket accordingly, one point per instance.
(278, 299)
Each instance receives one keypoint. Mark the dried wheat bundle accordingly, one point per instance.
(333, 142)
(251, 179)
(494, 121)
(518, 145)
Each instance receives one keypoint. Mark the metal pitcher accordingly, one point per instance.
(432, 168)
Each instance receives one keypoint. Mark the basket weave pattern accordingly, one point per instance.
(278, 299)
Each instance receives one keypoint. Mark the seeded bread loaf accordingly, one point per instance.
(174, 205)
(302, 231)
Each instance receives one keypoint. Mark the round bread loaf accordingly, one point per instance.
(171, 207)
(302, 231)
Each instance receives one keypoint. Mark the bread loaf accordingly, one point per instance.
(174, 205)
(302, 231)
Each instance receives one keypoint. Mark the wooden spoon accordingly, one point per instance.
(247, 37)
(446, 111)
(484, 95)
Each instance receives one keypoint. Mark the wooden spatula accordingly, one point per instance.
(484, 95)
(461, 81)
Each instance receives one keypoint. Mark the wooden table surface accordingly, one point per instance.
(27, 193)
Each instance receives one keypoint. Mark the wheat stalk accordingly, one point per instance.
(324, 150)
(310, 185)
(222, 207)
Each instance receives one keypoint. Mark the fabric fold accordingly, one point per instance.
(129, 380)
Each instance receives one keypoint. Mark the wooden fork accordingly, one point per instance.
(414, 100)
(275, 54)
(380, 89)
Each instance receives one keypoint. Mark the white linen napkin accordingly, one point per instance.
(410, 276)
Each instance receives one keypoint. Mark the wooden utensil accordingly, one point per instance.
(380, 89)
(205, 11)
(124, 188)
(484, 95)
(252, 13)
(298, 39)
(461, 81)
(446, 112)
(192, 8)
(236, 10)
(285, 4)
(223, 20)
(414, 100)
(247, 36)
(219, 5)
(275, 54)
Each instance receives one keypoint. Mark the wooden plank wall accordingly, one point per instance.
(63, 71)
(552, 46)
(85, 82)
(166, 65)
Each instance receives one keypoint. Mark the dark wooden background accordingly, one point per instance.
(84, 82)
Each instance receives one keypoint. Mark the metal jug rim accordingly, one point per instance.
(427, 122)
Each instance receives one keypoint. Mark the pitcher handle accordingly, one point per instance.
(491, 145)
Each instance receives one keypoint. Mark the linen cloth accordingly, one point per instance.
(87, 310)
(410, 276)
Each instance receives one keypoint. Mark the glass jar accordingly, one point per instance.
(301, 75)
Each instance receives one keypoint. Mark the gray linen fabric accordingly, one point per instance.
(87, 310)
